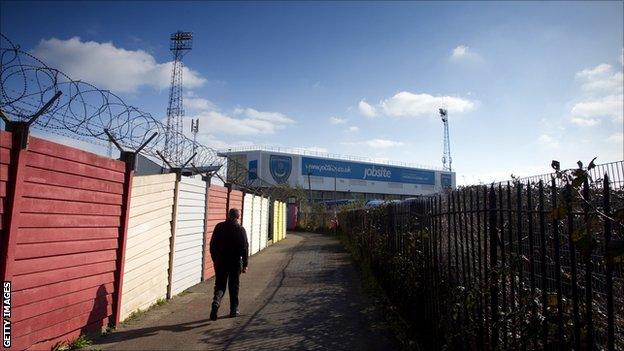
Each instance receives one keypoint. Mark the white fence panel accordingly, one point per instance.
(247, 217)
(264, 222)
(256, 224)
(189, 234)
(147, 247)
(284, 219)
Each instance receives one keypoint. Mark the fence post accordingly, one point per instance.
(493, 268)
(129, 158)
(15, 188)
(609, 263)
(503, 277)
(555, 227)
(174, 220)
(531, 260)
(205, 244)
(544, 278)
(575, 297)
(228, 186)
(589, 296)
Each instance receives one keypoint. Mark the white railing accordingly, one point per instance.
(308, 152)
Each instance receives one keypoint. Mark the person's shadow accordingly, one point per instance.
(98, 316)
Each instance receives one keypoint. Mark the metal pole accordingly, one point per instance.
(335, 194)
(309, 189)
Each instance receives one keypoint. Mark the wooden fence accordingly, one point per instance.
(62, 234)
(85, 243)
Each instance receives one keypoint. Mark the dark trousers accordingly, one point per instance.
(227, 273)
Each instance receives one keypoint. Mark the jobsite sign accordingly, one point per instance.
(365, 171)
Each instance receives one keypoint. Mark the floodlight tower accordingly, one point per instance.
(446, 156)
(181, 43)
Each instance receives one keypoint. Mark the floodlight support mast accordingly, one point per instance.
(446, 156)
(181, 43)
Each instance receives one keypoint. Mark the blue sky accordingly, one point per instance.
(524, 82)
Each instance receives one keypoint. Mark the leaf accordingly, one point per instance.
(619, 214)
(552, 300)
(615, 251)
(556, 165)
(580, 164)
(583, 240)
(558, 213)
(578, 181)
(592, 164)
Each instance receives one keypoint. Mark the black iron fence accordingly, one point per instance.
(506, 266)
(614, 170)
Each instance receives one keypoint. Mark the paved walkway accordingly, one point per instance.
(301, 293)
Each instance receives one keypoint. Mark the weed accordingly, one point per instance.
(81, 342)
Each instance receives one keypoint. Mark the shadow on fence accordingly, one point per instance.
(511, 266)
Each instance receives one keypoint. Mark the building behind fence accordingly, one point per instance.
(507, 266)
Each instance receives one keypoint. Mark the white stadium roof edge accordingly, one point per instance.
(307, 152)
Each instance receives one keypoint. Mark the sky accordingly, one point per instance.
(523, 82)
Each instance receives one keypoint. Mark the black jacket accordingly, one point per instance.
(229, 243)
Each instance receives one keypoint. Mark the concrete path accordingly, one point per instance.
(302, 293)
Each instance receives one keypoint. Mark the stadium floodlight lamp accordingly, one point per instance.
(443, 114)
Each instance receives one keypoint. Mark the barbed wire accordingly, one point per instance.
(87, 113)
(83, 110)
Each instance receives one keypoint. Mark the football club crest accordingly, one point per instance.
(280, 167)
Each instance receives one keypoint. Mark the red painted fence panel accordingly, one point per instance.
(5, 162)
(236, 200)
(216, 210)
(64, 240)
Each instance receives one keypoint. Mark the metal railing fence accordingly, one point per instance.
(506, 266)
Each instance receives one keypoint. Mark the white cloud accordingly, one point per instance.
(218, 144)
(605, 106)
(548, 141)
(376, 143)
(603, 96)
(600, 79)
(198, 104)
(272, 117)
(617, 138)
(337, 120)
(459, 51)
(591, 73)
(353, 129)
(250, 122)
(109, 67)
(585, 122)
(406, 104)
(366, 109)
(383, 143)
(463, 52)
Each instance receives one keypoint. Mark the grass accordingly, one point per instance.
(81, 342)
(397, 324)
(139, 312)
(134, 315)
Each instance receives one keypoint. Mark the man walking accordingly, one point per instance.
(229, 249)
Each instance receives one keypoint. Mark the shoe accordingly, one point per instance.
(235, 313)
(213, 313)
